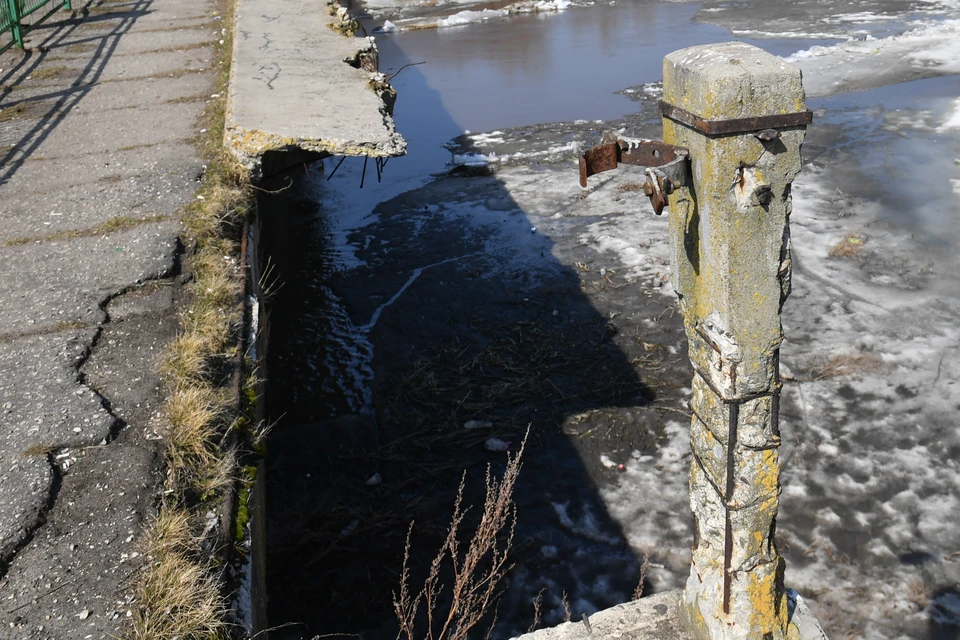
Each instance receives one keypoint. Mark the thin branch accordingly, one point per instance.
(397, 72)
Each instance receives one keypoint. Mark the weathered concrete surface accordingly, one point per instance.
(294, 89)
(655, 617)
(731, 242)
(95, 163)
(658, 617)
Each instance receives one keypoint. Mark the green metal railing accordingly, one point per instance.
(12, 13)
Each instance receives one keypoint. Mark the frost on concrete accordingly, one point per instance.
(301, 83)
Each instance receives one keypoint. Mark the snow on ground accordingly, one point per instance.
(870, 509)
(485, 159)
(928, 50)
(451, 17)
(870, 518)
(870, 514)
(952, 120)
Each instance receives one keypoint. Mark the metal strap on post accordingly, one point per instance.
(734, 126)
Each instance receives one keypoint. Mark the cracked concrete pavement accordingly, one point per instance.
(96, 124)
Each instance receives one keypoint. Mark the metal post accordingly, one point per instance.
(15, 30)
(731, 243)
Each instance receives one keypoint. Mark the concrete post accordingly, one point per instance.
(731, 241)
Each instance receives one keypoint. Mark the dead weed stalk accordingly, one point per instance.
(476, 572)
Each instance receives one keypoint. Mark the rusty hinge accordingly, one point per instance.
(668, 166)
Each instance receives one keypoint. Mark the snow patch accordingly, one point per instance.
(469, 17)
(953, 118)
(474, 159)
(931, 49)
(388, 27)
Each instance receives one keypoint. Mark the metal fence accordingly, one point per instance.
(12, 13)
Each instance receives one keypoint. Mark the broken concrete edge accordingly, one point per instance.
(249, 138)
(660, 617)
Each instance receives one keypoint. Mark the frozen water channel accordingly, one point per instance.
(476, 281)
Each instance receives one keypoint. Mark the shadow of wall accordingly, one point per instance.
(432, 327)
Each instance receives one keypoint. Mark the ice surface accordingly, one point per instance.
(468, 17)
(928, 50)
(568, 150)
(953, 118)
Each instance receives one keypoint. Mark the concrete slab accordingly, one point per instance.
(659, 617)
(92, 133)
(47, 284)
(44, 403)
(176, 40)
(133, 184)
(40, 102)
(77, 71)
(141, 323)
(291, 89)
(79, 330)
(652, 618)
(71, 580)
(25, 485)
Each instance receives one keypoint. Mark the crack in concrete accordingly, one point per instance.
(263, 72)
(118, 423)
(40, 519)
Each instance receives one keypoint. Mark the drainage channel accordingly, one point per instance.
(421, 325)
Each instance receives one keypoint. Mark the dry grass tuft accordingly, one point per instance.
(537, 613)
(918, 594)
(851, 246)
(48, 72)
(845, 364)
(38, 449)
(178, 594)
(186, 359)
(171, 532)
(476, 572)
(422, 26)
(196, 414)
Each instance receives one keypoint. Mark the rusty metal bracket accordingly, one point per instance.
(668, 166)
(736, 125)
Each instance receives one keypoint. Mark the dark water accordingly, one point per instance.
(343, 252)
(534, 68)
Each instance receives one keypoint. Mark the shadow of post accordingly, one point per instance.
(944, 608)
(455, 310)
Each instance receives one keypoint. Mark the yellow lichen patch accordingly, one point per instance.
(767, 480)
(768, 608)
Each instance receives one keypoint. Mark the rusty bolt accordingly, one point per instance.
(648, 189)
